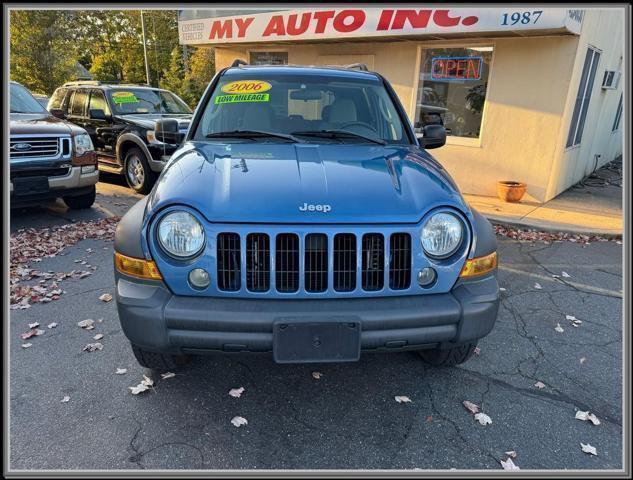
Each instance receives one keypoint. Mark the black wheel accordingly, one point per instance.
(139, 176)
(448, 357)
(158, 361)
(80, 202)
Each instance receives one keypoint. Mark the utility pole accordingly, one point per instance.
(145, 50)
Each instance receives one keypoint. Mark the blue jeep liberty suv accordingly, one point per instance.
(301, 216)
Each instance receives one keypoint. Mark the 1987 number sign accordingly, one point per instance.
(524, 18)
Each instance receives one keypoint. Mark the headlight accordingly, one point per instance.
(442, 235)
(180, 234)
(83, 144)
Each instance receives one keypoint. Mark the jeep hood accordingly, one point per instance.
(269, 182)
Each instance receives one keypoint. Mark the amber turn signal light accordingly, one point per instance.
(479, 265)
(136, 267)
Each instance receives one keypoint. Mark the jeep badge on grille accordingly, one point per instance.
(311, 207)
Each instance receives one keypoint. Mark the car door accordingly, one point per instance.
(77, 108)
(100, 129)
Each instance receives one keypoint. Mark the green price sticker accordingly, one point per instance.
(242, 98)
(124, 97)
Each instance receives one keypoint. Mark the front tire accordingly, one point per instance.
(80, 202)
(448, 357)
(138, 175)
(158, 361)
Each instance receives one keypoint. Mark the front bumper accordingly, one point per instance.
(73, 183)
(156, 320)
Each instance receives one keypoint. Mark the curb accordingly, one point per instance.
(554, 228)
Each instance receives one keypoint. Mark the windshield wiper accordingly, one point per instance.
(252, 134)
(334, 133)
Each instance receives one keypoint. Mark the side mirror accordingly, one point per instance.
(166, 130)
(57, 112)
(97, 114)
(433, 136)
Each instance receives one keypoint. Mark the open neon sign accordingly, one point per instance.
(456, 68)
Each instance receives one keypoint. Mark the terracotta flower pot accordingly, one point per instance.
(510, 191)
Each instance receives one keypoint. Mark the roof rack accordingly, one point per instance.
(82, 82)
(358, 66)
(237, 62)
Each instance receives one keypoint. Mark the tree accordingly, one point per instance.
(201, 71)
(42, 51)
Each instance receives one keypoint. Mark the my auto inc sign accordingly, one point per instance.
(374, 22)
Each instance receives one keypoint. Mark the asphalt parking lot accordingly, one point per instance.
(346, 419)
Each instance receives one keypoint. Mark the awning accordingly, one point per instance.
(375, 24)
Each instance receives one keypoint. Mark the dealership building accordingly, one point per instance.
(527, 94)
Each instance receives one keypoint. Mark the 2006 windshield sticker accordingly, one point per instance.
(124, 97)
(244, 91)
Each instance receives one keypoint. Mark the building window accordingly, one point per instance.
(582, 98)
(452, 89)
(269, 58)
(618, 116)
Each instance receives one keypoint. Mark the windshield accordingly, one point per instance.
(144, 100)
(306, 106)
(22, 101)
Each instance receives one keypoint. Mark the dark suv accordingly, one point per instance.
(120, 120)
(48, 157)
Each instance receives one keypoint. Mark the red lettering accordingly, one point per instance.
(292, 24)
(321, 20)
(473, 69)
(417, 19)
(221, 29)
(441, 18)
(385, 19)
(242, 25)
(275, 26)
(357, 16)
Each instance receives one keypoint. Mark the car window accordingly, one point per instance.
(57, 98)
(78, 103)
(291, 103)
(145, 100)
(98, 102)
(22, 101)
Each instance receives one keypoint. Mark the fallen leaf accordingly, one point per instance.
(555, 276)
(52, 325)
(429, 418)
(239, 421)
(571, 318)
(501, 289)
(121, 371)
(147, 381)
(98, 336)
(317, 375)
(477, 350)
(511, 453)
(509, 465)
(558, 328)
(582, 360)
(587, 417)
(538, 286)
(138, 389)
(566, 275)
(106, 297)
(471, 407)
(66, 399)
(29, 334)
(402, 399)
(167, 375)
(39, 332)
(34, 325)
(539, 385)
(91, 347)
(27, 345)
(588, 448)
(236, 392)
(482, 418)
(87, 323)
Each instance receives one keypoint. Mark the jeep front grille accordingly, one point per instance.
(400, 261)
(314, 262)
(229, 272)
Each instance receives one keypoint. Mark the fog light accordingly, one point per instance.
(199, 278)
(88, 169)
(426, 277)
